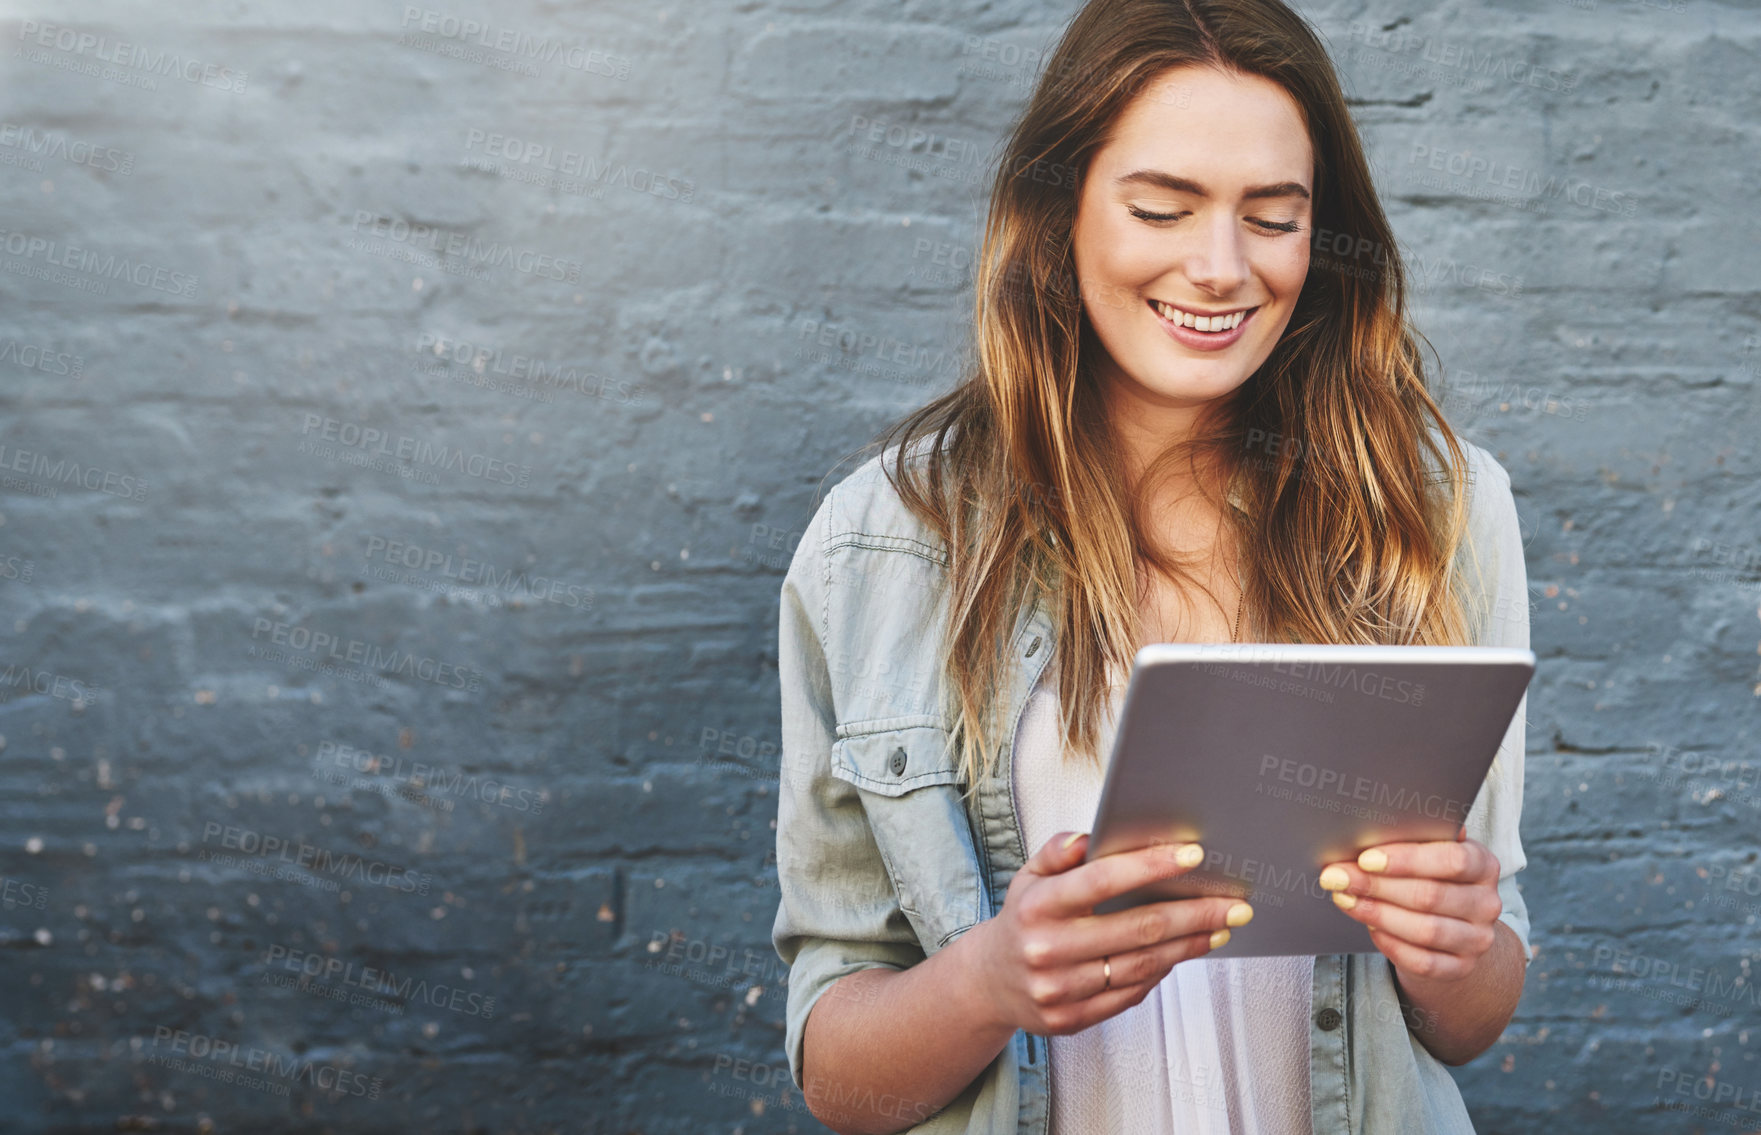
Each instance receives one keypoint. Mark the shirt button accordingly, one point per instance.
(898, 764)
(1328, 1019)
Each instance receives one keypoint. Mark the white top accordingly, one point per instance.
(1219, 1047)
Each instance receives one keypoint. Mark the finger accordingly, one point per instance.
(1420, 962)
(1152, 963)
(1061, 1020)
(1471, 902)
(1077, 891)
(1058, 854)
(1120, 932)
(1133, 975)
(1456, 861)
(1431, 933)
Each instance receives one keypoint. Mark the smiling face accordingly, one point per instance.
(1191, 242)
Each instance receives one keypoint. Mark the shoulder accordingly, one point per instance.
(865, 509)
(1491, 505)
(862, 542)
(1491, 501)
(1487, 469)
(1483, 467)
(1492, 557)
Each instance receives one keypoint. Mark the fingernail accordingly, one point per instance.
(1218, 938)
(1335, 879)
(1344, 901)
(1070, 839)
(1190, 856)
(1239, 915)
(1373, 860)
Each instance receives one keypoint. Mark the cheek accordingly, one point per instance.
(1287, 270)
(1127, 257)
(1112, 266)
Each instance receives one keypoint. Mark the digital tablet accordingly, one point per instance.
(1279, 759)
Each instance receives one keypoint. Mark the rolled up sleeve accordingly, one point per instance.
(1497, 811)
(838, 910)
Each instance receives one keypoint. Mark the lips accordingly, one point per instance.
(1201, 322)
(1195, 339)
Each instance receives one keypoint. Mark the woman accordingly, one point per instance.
(1197, 415)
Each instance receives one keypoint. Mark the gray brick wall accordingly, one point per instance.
(409, 412)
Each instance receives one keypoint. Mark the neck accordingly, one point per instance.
(1146, 424)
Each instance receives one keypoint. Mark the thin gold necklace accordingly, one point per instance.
(1240, 600)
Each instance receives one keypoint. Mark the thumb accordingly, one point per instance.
(1058, 854)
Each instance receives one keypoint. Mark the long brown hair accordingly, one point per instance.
(1347, 534)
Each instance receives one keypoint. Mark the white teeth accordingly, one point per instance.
(1201, 322)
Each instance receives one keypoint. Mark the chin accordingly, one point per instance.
(1189, 387)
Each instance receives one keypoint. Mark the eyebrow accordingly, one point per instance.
(1179, 184)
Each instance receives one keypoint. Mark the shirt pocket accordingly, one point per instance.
(910, 788)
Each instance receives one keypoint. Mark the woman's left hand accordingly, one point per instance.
(1431, 908)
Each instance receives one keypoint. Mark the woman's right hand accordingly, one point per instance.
(1042, 955)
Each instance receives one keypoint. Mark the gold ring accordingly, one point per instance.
(1106, 972)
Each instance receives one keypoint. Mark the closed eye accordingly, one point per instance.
(1272, 226)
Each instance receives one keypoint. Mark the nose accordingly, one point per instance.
(1219, 263)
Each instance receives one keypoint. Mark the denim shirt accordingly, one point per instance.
(880, 863)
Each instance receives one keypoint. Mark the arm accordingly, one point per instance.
(1449, 916)
(878, 1037)
(913, 1041)
(918, 1036)
(1464, 1018)
(1434, 912)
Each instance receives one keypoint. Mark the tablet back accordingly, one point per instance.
(1279, 759)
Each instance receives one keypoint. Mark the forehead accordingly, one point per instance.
(1217, 127)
